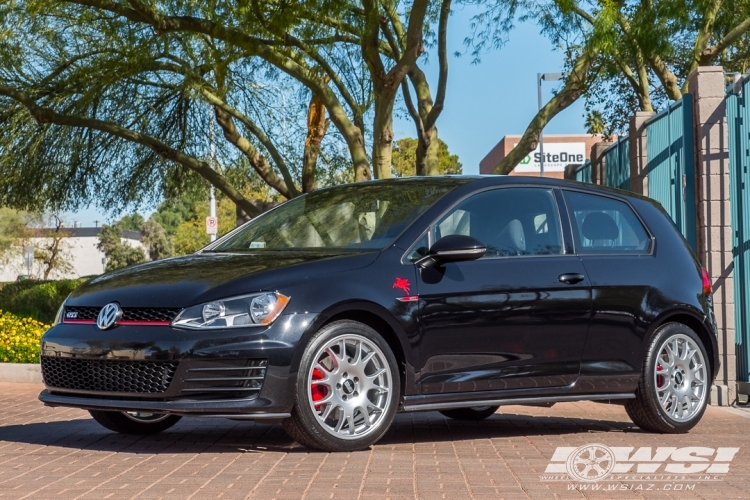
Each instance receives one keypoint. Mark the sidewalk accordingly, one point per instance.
(62, 453)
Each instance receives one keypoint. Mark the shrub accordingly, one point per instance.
(20, 338)
(37, 300)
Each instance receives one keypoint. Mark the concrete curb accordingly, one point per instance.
(29, 373)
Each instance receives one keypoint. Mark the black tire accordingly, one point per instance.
(645, 410)
(304, 427)
(474, 413)
(119, 422)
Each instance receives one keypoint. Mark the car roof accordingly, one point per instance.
(504, 180)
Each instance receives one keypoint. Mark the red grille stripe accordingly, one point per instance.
(142, 323)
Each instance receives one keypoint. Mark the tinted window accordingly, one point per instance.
(511, 221)
(352, 217)
(605, 225)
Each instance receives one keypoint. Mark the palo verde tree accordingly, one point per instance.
(110, 99)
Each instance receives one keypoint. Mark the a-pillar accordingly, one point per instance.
(714, 221)
(639, 152)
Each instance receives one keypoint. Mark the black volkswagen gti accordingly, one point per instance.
(340, 308)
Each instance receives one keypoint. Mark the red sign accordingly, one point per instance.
(212, 225)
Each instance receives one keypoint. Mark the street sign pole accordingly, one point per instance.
(212, 203)
(28, 256)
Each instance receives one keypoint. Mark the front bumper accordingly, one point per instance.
(237, 373)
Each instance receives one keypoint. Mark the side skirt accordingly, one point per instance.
(417, 403)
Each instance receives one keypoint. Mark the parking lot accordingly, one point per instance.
(62, 453)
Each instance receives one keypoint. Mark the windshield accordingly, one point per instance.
(353, 217)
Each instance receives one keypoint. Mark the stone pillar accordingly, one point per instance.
(639, 152)
(714, 215)
(599, 163)
(570, 171)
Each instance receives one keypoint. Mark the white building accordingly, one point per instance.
(79, 250)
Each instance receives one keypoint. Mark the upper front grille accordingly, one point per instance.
(108, 375)
(145, 314)
(149, 314)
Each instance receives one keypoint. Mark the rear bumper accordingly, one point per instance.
(242, 373)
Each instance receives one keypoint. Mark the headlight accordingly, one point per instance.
(248, 310)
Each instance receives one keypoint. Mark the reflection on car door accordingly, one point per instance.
(514, 319)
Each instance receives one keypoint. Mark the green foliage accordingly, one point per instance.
(118, 254)
(154, 238)
(39, 300)
(595, 123)
(132, 222)
(405, 157)
(12, 225)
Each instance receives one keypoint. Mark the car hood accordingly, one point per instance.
(192, 279)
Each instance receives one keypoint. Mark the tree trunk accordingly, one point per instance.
(382, 144)
(576, 84)
(316, 130)
(428, 162)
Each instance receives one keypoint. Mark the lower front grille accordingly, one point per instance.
(108, 375)
(224, 379)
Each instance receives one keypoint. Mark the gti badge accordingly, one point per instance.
(109, 316)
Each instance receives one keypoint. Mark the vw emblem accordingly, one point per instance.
(109, 316)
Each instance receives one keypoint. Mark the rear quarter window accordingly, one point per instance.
(603, 225)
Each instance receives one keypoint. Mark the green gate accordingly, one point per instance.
(671, 165)
(738, 125)
(583, 173)
(617, 159)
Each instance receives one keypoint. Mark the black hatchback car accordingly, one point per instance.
(337, 309)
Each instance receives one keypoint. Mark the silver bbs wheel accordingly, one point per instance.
(680, 377)
(349, 386)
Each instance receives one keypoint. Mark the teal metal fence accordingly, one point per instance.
(617, 158)
(738, 125)
(583, 174)
(671, 164)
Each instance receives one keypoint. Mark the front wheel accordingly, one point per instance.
(348, 389)
(473, 413)
(673, 390)
(134, 422)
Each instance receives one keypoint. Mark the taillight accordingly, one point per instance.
(706, 282)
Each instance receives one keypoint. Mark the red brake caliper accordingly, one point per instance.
(318, 391)
(659, 378)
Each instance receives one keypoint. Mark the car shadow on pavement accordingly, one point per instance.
(195, 435)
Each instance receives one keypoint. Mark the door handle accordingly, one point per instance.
(571, 278)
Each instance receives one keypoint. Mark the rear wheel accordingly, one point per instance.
(673, 391)
(134, 422)
(348, 388)
(471, 413)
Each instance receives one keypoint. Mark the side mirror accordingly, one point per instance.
(453, 248)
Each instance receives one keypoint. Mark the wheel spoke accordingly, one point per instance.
(365, 416)
(357, 353)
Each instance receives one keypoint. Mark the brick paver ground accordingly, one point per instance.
(63, 454)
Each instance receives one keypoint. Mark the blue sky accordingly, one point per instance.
(484, 101)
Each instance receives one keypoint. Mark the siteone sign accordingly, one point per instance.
(557, 155)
